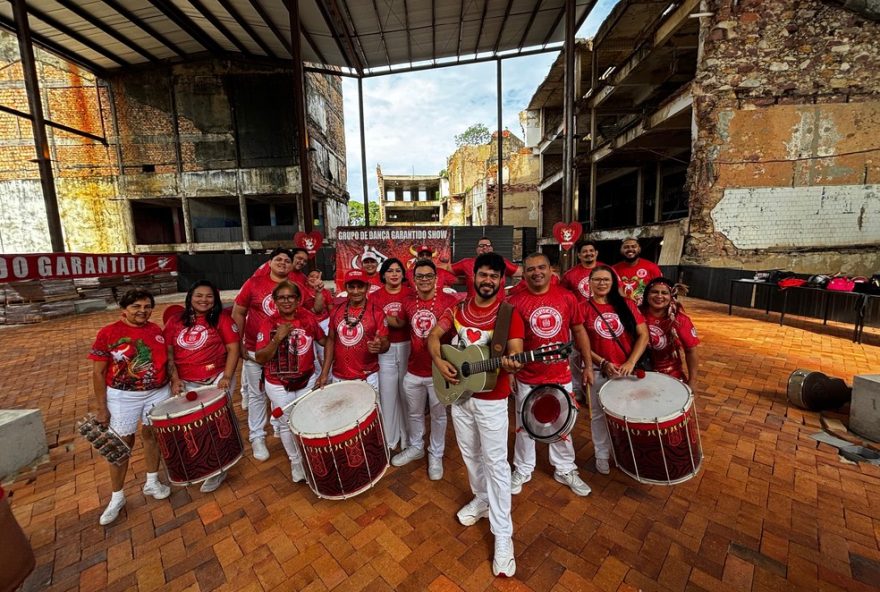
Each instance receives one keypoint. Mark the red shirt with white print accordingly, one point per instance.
(475, 325)
(465, 268)
(392, 305)
(577, 279)
(351, 359)
(634, 278)
(200, 350)
(295, 357)
(548, 319)
(256, 296)
(300, 279)
(602, 342)
(664, 351)
(421, 316)
(136, 356)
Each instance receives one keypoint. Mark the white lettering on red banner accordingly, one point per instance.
(61, 266)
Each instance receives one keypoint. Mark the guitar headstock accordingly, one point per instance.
(553, 352)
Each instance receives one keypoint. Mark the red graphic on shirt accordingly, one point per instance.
(351, 358)
(658, 337)
(545, 322)
(192, 338)
(200, 350)
(256, 297)
(136, 356)
(474, 335)
(422, 316)
(608, 321)
(349, 335)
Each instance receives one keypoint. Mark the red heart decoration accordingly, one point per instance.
(310, 241)
(567, 234)
(474, 335)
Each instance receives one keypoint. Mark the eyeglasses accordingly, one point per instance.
(286, 298)
(601, 280)
(425, 276)
(484, 245)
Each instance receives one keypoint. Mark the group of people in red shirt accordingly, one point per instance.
(387, 329)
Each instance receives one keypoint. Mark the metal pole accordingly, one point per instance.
(500, 183)
(38, 123)
(363, 152)
(299, 109)
(568, 111)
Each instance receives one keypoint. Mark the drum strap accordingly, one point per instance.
(502, 329)
(610, 331)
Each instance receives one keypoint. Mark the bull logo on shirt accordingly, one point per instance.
(349, 336)
(422, 323)
(610, 320)
(192, 338)
(302, 341)
(584, 287)
(658, 337)
(268, 305)
(545, 322)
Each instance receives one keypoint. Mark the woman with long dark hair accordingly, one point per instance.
(671, 331)
(618, 338)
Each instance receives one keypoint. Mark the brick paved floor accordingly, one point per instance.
(770, 510)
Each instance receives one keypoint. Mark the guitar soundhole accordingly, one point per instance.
(466, 369)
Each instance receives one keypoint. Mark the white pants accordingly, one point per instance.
(256, 398)
(127, 408)
(370, 379)
(561, 452)
(576, 365)
(481, 432)
(419, 389)
(283, 398)
(319, 349)
(392, 369)
(598, 427)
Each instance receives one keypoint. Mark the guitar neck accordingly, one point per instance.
(495, 363)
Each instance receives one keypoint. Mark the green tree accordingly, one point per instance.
(356, 213)
(474, 136)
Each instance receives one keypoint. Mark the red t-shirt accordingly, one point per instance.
(422, 315)
(136, 356)
(256, 297)
(300, 279)
(465, 268)
(475, 325)
(577, 279)
(601, 341)
(200, 350)
(295, 357)
(664, 352)
(351, 360)
(548, 319)
(309, 296)
(634, 278)
(392, 305)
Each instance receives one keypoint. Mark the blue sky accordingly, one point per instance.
(411, 119)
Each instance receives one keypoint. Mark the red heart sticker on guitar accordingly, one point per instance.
(474, 335)
(567, 234)
(310, 241)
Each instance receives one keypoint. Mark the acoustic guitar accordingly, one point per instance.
(477, 370)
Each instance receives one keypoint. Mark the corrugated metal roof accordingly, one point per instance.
(360, 37)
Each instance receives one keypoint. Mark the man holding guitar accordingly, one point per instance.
(480, 421)
(551, 315)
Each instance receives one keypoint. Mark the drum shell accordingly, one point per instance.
(200, 443)
(17, 558)
(531, 423)
(815, 391)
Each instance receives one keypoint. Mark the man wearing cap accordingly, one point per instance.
(445, 278)
(465, 267)
(357, 335)
(371, 270)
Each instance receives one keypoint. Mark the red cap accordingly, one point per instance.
(356, 275)
(277, 412)
(192, 396)
(424, 248)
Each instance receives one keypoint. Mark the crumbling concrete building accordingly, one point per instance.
(726, 136)
(412, 199)
(184, 157)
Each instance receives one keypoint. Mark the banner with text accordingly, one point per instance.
(67, 266)
(385, 242)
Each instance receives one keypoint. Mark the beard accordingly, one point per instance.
(486, 291)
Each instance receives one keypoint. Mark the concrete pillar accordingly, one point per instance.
(864, 410)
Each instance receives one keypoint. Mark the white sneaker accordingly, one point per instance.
(261, 453)
(471, 513)
(111, 513)
(574, 481)
(212, 483)
(435, 467)
(603, 466)
(407, 456)
(297, 473)
(158, 490)
(504, 563)
(516, 481)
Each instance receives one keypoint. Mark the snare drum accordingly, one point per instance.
(655, 436)
(548, 413)
(339, 430)
(197, 438)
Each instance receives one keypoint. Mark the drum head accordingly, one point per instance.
(546, 412)
(655, 397)
(334, 408)
(179, 405)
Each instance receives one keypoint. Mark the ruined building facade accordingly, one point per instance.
(199, 156)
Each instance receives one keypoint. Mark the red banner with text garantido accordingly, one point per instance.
(67, 266)
(385, 242)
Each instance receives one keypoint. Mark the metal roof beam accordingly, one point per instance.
(480, 30)
(555, 24)
(57, 49)
(258, 8)
(215, 22)
(179, 18)
(381, 31)
(78, 37)
(328, 20)
(353, 38)
(408, 34)
(531, 22)
(501, 28)
(138, 22)
(460, 26)
(59, 126)
(236, 16)
(106, 29)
